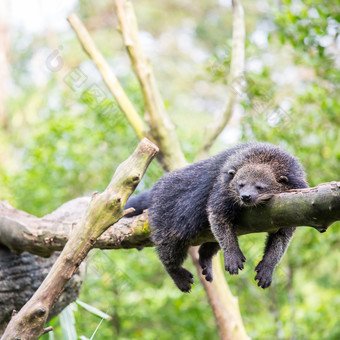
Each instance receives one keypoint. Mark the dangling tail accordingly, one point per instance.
(139, 202)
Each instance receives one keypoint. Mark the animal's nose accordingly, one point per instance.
(246, 198)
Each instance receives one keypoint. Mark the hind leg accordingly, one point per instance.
(172, 255)
(206, 252)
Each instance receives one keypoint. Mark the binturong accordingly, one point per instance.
(212, 194)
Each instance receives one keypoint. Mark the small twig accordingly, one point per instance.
(46, 330)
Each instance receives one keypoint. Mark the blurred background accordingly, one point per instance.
(62, 135)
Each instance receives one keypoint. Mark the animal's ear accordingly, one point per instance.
(232, 172)
(283, 179)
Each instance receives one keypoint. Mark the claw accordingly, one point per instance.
(183, 279)
(263, 275)
(234, 262)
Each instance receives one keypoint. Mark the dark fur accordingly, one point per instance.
(139, 202)
(212, 194)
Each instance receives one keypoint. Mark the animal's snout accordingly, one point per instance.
(246, 198)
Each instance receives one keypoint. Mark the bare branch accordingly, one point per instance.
(236, 74)
(162, 129)
(226, 311)
(46, 330)
(141, 129)
(104, 209)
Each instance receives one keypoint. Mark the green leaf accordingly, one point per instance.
(67, 323)
(93, 310)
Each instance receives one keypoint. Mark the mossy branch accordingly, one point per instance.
(103, 210)
(316, 207)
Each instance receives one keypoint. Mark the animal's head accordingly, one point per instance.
(253, 184)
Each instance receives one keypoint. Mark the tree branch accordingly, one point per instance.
(21, 232)
(159, 132)
(162, 129)
(104, 210)
(141, 129)
(316, 207)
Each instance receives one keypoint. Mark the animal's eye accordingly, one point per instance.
(241, 185)
(283, 179)
(231, 172)
(259, 187)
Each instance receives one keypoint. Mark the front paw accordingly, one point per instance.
(264, 275)
(233, 261)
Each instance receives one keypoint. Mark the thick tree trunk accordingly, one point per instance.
(21, 275)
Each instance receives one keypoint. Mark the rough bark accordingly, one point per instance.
(104, 210)
(316, 207)
(21, 275)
